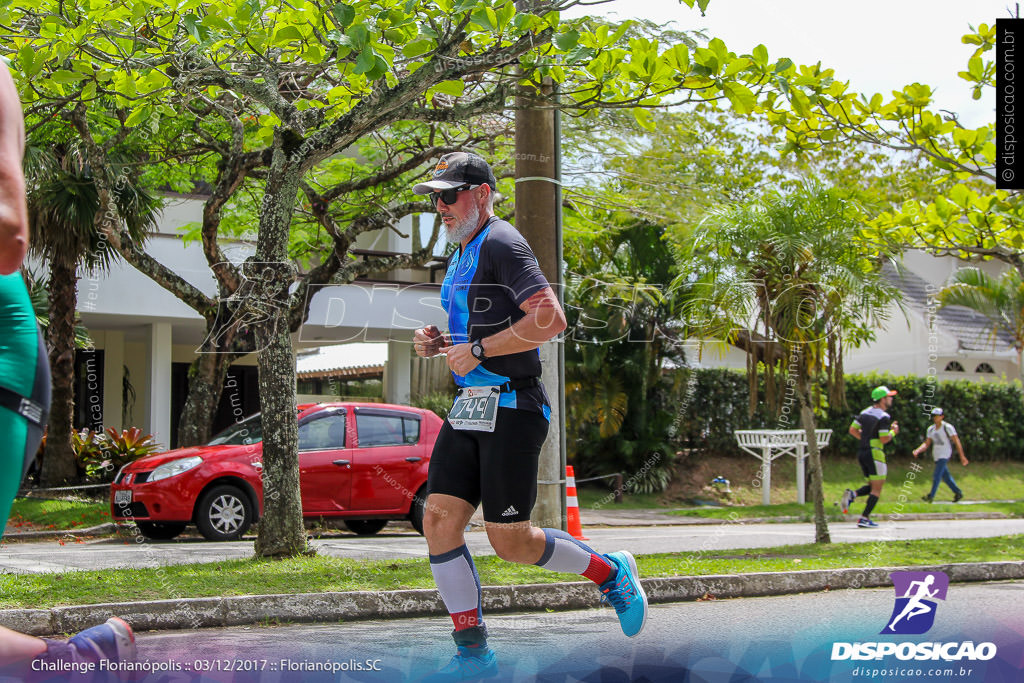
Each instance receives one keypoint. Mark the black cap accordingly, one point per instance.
(456, 169)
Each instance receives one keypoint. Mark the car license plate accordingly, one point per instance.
(475, 409)
(123, 498)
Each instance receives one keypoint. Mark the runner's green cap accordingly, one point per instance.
(878, 393)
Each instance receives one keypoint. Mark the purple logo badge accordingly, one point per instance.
(916, 595)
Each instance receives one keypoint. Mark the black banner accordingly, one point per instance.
(1009, 130)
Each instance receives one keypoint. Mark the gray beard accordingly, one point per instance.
(464, 228)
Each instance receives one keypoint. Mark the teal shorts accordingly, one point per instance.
(24, 372)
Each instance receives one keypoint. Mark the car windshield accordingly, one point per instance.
(249, 430)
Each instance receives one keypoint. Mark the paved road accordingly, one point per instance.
(50, 556)
(786, 638)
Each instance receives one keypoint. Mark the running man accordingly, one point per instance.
(873, 428)
(25, 394)
(500, 310)
(940, 436)
(915, 606)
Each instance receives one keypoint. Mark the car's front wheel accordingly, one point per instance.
(365, 527)
(160, 531)
(224, 513)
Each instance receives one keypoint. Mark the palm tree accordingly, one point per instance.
(39, 294)
(1000, 300)
(63, 202)
(623, 313)
(791, 270)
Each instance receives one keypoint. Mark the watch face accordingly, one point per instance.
(477, 350)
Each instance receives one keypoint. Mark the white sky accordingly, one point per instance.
(877, 45)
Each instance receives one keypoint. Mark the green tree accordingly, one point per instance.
(1001, 300)
(278, 91)
(965, 215)
(791, 268)
(63, 204)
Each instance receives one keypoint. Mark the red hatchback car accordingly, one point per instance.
(365, 463)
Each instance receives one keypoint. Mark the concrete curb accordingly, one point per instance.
(98, 530)
(356, 605)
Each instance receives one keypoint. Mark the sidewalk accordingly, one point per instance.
(606, 516)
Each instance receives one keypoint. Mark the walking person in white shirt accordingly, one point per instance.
(941, 436)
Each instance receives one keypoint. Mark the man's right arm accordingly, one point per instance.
(13, 210)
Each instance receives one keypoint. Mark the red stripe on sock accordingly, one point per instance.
(598, 569)
(464, 620)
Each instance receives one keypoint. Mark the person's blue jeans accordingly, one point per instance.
(942, 473)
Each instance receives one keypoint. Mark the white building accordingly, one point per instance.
(920, 338)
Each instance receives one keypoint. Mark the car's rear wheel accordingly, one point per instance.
(224, 513)
(365, 527)
(160, 531)
(419, 507)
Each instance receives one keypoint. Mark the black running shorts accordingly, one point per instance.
(496, 468)
(873, 465)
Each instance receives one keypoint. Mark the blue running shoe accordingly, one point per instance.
(466, 666)
(866, 523)
(844, 502)
(625, 593)
(112, 640)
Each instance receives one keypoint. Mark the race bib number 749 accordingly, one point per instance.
(475, 409)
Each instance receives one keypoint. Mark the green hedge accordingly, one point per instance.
(989, 417)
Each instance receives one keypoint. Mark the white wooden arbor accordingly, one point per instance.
(768, 444)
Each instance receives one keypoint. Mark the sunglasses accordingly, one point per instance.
(449, 196)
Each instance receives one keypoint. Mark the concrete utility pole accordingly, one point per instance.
(538, 218)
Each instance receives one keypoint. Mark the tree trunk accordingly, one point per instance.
(223, 344)
(269, 276)
(205, 386)
(281, 531)
(821, 534)
(59, 466)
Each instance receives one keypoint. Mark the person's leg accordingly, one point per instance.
(548, 548)
(17, 448)
(940, 469)
(876, 480)
(453, 483)
(947, 476)
(509, 490)
(868, 467)
(876, 493)
(444, 522)
(13, 445)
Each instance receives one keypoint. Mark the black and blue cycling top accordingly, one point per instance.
(483, 288)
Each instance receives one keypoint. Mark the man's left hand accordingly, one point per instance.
(461, 360)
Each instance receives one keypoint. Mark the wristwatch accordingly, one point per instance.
(477, 349)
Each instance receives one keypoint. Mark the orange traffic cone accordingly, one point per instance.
(572, 506)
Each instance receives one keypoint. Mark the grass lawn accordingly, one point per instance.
(35, 514)
(980, 481)
(324, 574)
